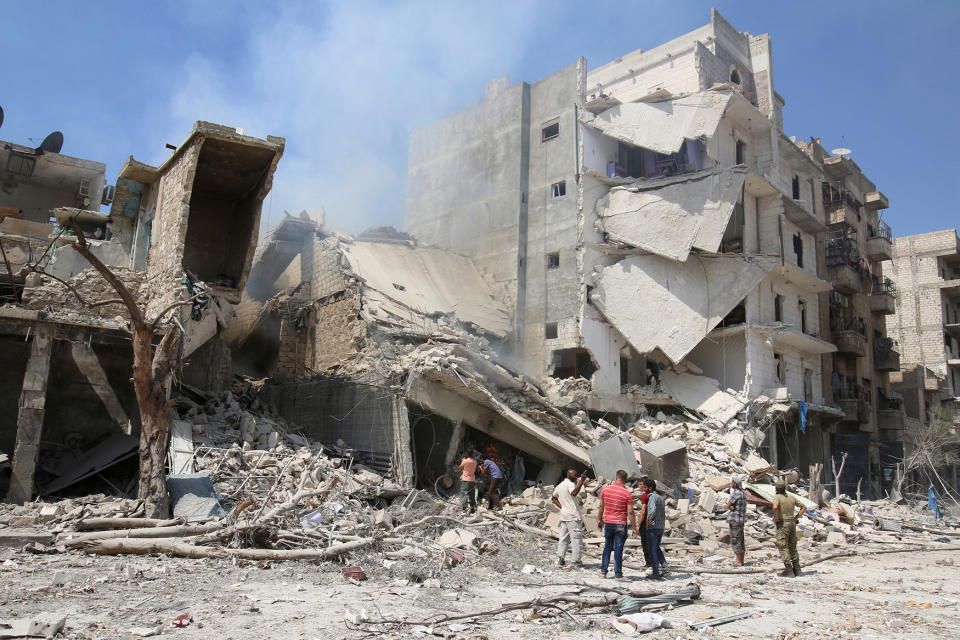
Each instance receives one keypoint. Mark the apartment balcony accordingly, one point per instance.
(838, 167)
(842, 215)
(931, 383)
(890, 419)
(850, 343)
(879, 242)
(883, 296)
(849, 408)
(875, 200)
(887, 359)
(845, 278)
(798, 212)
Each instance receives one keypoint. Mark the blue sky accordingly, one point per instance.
(345, 82)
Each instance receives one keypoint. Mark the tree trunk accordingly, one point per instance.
(150, 376)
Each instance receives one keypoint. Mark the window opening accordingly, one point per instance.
(553, 260)
(796, 187)
(550, 131)
(735, 77)
(778, 359)
(550, 331)
(798, 249)
(741, 152)
(559, 189)
(778, 308)
(803, 315)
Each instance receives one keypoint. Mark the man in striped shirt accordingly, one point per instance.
(616, 510)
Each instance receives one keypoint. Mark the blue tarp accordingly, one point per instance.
(803, 415)
(932, 502)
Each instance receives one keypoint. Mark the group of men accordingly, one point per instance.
(617, 516)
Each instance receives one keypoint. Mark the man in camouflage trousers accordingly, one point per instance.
(785, 517)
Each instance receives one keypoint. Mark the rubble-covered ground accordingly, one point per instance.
(298, 513)
(912, 594)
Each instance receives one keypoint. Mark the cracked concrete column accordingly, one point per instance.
(33, 397)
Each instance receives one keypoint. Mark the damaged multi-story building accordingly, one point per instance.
(656, 233)
(67, 406)
(926, 270)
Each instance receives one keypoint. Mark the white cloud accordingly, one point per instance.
(345, 84)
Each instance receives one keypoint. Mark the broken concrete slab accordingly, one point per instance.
(718, 483)
(31, 627)
(17, 537)
(708, 500)
(636, 294)
(671, 216)
(703, 394)
(193, 497)
(613, 454)
(665, 126)
(457, 538)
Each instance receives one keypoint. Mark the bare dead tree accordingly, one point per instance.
(934, 446)
(837, 473)
(153, 367)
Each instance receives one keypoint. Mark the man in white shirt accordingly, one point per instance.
(571, 520)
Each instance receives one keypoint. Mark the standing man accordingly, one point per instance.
(468, 482)
(656, 512)
(737, 506)
(490, 469)
(571, 520)
(785, 517)
(642, 520)
(616, 510)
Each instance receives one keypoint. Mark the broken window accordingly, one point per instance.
(553, 260)
(550, 131)
(573, 363)
(778, 360)
(550, 331)
(559, 189)
(741, 152)
(798, 249)
(802, 304)
(796, 187)
(778, 308)
(399, 287)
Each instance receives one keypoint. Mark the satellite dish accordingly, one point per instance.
(52, 143)
(842, 151)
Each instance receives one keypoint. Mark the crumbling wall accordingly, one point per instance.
(339, 333)
(333, 408)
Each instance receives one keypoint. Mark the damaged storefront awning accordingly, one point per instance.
(661, 304)
(664, 126)
(668, 217)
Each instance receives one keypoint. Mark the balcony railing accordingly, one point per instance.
(844, 324)
(882, 230)
(883, 285)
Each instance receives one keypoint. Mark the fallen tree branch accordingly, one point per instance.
(179, 531)
(97, 524)
(175, 547)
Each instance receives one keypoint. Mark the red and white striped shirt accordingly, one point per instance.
(615, 498)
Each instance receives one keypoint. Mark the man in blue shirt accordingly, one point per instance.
(490, 469)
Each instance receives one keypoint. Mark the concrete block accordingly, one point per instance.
(382, 518)
(553, 522)
(837, 538)
(456, 538)
(718, 483)
(708, 500)
(20, 537)
(665, 461)
(734, 440)
(683, 506)
(613, 454)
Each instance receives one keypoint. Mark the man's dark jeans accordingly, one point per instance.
(645, 545)
(614, 536)
(658, 562)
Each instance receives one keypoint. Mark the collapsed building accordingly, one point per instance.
(187, 227)
(657, 235)
(391, 349)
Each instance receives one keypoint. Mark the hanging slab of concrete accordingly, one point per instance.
(658, 303)
(664, 126)
(428, 281)
(703, 394)
(669, 217)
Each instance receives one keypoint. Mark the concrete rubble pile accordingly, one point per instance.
(56, 302)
